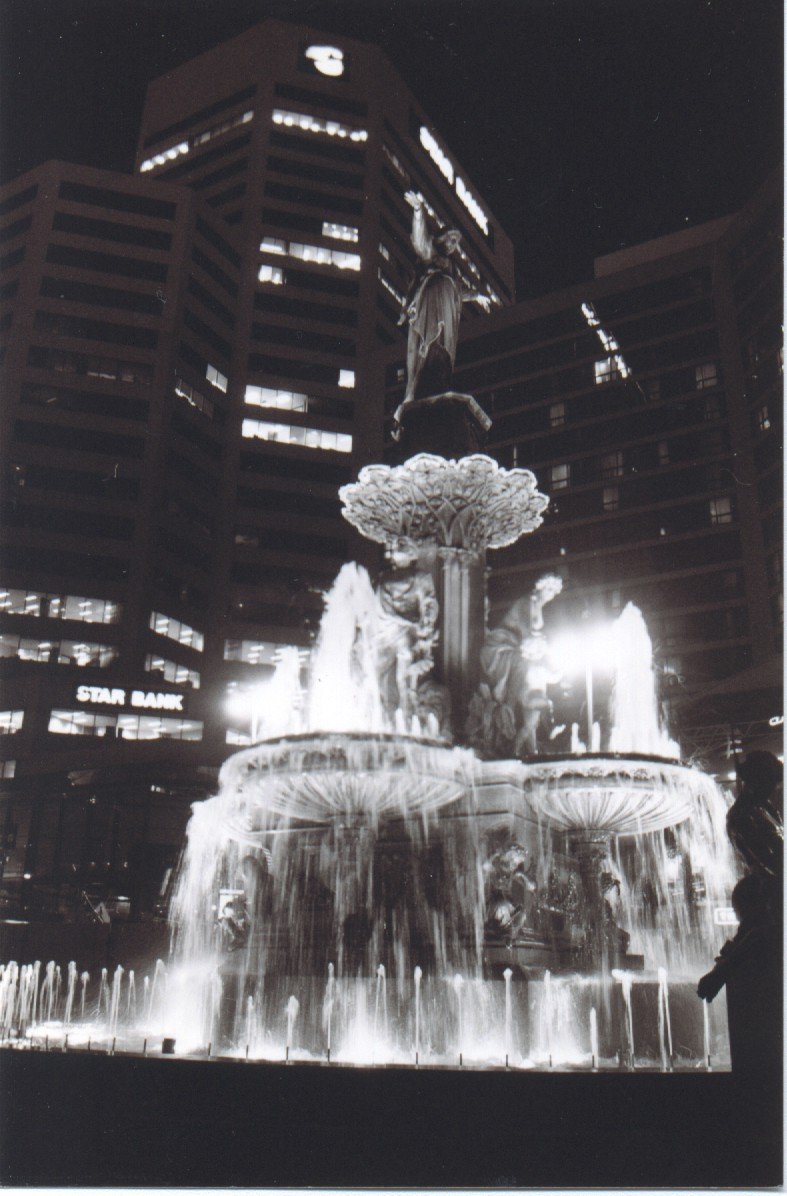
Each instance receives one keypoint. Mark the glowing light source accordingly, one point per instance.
(328, 60)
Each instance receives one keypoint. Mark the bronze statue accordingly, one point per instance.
(433, 306)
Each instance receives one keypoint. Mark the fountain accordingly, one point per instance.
(402, 869)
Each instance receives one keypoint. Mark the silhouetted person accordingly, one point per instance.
(757, 931)
(755, 820)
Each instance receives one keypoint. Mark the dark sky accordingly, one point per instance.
(587, 124)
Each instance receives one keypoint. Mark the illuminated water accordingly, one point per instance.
(357, 850)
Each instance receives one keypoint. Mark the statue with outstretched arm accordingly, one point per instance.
(433, 306)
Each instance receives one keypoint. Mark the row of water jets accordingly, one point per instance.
(46, 1008)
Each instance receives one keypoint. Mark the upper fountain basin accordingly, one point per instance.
(318, 777)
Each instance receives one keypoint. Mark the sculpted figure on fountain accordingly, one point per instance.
(433, 306)
(512, 901)
(511, 710)
(406, 629)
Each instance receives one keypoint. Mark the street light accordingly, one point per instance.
(588, 651)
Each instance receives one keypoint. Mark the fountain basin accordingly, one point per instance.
(318, 778)
(612, 794)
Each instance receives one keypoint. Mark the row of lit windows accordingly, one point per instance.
(391, 289)
(182, 147)
(282, 400)
(251, 651)
(317, 438)
(11, 721)
(340, 232)
(58, 652)
(272, 274)
(194, 398)
(209, 134)
(54, 606)
(123, 726)
(320, 254)
(175, 674)
(173, 629)
(316, 124)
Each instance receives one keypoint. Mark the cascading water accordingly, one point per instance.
(340, 846)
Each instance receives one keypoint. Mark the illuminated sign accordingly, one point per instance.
(776, 721)
(445, 166)
(724, 915)
(103, 695)
(328, 60)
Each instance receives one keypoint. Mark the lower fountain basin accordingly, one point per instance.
(613, 794)
(319, 778)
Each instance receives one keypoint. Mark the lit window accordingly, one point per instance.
(347, 379)
(282, 400)
(323, 256)
(319, 438)
(705, 375)
(608, 370)
(612, 465)
(194, 398)
(720, 510)
(175, 674)
(763, 419)
(316, 124)
(560, 476)
(11, 721)
(272, 274)
(8, 769)
(384, 252)
(173, 629)
(663, 452)
(391, 289)
(216, 378)
(340, 232)
(167, 155)
(557, 415)
(238, 738)
(209, 134)
(273, 245)
(611, 498)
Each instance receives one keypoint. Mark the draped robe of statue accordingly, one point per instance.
(434, 308)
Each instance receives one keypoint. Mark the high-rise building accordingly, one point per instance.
(307, 146)
(187, 383)
(648, 403)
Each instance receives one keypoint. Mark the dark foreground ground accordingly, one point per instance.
(79, 1119)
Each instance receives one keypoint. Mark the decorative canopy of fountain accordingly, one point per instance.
(472, 503)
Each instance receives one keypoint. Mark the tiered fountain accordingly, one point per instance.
(399, 871)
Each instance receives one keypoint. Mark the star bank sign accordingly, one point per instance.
(142, 699)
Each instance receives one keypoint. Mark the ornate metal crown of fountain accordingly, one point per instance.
(472, 503)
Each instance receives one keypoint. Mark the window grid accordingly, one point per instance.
(173, 629)
(171, 671)
(123, 726)
(56, 606)
(315, 124)
(316, 438)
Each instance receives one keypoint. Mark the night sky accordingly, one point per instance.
(586, 124)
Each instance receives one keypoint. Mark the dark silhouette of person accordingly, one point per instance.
(755, 821)
(757, 931)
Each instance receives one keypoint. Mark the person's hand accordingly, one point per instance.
(414, 200)
(710, 985)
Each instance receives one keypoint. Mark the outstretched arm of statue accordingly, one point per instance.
(422, 242)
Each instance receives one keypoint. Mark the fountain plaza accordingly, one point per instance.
(414, 863)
